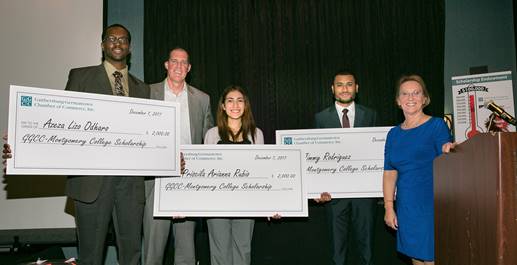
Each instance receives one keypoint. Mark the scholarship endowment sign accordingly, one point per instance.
(234, 181)
(470, 93)
(347, 163)
(55, 132)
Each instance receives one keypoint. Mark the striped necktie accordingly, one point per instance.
(119, 88)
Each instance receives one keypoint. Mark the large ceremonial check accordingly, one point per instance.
(56, 132)
(347, 163)
(234, 181)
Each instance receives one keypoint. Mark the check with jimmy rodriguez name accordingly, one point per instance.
(234, 181)
(346, 162)
(56, 132)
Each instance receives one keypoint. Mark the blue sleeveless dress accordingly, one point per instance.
(411, 152)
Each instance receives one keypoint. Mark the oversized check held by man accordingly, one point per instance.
(56, 132)
(234, 181)
(346, 162)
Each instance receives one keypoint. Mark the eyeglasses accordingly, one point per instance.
(120, 40)
(413, 94)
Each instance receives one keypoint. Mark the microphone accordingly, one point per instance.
(500, 112)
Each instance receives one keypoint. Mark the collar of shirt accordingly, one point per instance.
(351, 112)
(110, 69)
(182, 99)
(170, 96)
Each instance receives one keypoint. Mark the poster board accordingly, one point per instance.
(470, 94)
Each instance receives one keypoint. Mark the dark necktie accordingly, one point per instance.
(119, 88)
(345, 121)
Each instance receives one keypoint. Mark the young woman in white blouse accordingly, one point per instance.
(230, 238)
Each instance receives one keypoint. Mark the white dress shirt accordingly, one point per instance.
(350, 114)
(182, 99)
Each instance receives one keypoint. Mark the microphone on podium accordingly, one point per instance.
(500, 112)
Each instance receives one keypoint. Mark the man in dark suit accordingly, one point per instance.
(351, 216)
(98, 198)
(196, 119)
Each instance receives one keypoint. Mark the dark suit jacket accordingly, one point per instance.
(328, 118)
(200, 114)
(364, 216)
(94, 79)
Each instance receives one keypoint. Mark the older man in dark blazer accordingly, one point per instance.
(352, 216)
(98, 198)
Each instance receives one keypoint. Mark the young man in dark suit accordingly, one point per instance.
(350, 216)
(98, 198)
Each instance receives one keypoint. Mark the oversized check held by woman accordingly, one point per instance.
(234, 181)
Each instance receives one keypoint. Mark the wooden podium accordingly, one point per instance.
(475, 200)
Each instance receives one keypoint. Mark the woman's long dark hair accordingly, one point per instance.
(248, 123)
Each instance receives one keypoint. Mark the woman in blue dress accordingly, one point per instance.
(409, 152)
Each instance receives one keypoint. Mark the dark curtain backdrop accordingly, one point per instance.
(285, 53)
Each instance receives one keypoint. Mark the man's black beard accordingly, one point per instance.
(345, 101)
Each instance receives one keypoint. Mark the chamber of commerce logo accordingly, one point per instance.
(288, 140)
(26, 101)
